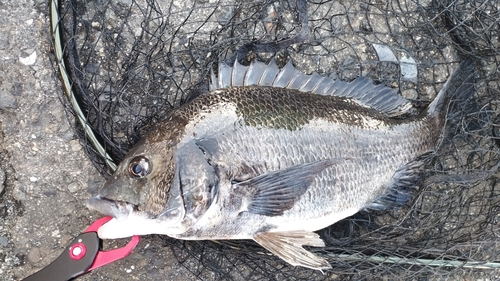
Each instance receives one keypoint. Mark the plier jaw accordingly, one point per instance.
(82, 256)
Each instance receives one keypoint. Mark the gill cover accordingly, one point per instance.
(194, 183)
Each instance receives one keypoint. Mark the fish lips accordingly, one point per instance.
(117, 209)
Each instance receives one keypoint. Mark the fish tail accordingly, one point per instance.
(458, 90)
(455, 101)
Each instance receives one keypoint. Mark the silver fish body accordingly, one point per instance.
(272, 164)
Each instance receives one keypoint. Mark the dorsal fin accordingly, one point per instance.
(361, 90)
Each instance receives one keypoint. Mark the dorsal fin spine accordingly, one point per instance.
(361, 90)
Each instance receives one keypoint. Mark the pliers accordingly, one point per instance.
(82, 256)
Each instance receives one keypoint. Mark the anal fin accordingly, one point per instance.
(288, 246)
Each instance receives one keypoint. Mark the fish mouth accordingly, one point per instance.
(117, 209)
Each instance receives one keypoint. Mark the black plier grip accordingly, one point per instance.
(82, 256)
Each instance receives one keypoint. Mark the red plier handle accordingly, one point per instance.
(82, 256)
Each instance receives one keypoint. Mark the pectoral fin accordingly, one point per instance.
(273, 193)
(288, 246)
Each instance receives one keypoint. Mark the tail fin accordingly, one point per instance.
(458, 89)
(455, 101)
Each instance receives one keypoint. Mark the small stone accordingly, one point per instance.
(348, 61)
(33, 179)
(7, 100)
(34, 147)
(29, 60)
(19, 193)
(410, 94)
(137, 31)
(2, 181)
(73, 187)
(4, 241)
(75, 145)
(35, 255)
(68, 136)
(142, 263)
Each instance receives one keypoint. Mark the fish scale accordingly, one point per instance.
(275, 163)
(273, 149)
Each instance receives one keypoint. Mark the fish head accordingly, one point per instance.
(160, 187)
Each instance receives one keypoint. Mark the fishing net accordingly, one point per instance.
(126, 63)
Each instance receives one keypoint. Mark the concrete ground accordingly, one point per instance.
(45, 176)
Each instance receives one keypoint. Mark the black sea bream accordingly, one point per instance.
(272, 155)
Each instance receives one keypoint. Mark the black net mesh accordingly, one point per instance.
(129, 62)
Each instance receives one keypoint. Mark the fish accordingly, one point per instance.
(272, 155)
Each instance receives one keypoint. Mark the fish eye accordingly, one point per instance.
(139, 167)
